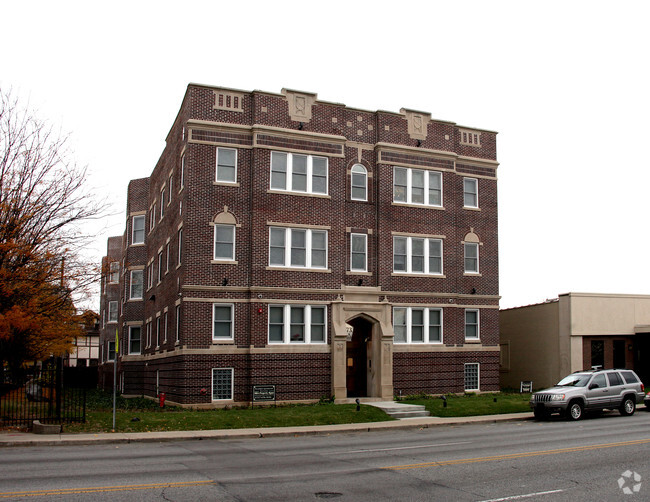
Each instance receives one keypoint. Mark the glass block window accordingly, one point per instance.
(222, 384)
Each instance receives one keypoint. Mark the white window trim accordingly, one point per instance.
(178, 323)
(475, 192)
(288, 232)
(425, 321)
(108, 351)
(478, 376)
(216, 169)
(162, 202)
(478, 270)
(115, 304)
(309, 174)
(409, 256)
(160, 270)
(111, 266)
(234, 239)
(158, 332)
(232, 384)
(286, 325)
(179, 254)
(131, 328)
(365, 177)
(365, 254)
(232, 322)
(478, 324)
(182, 173)
(148, 335)
(144, 229)
(409, 187)
(131, 297)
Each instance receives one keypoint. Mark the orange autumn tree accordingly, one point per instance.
(43, 206)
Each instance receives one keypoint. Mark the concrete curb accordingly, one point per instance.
(12, 438)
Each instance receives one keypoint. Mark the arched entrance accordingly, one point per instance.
(358, 364)
(362, 362)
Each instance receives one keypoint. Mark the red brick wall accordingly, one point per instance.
(306, 376)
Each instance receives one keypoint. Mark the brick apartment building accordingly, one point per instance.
(323, 249)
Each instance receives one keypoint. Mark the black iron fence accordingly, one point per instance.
(41, 393)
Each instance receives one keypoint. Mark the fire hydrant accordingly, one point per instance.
(161, 398)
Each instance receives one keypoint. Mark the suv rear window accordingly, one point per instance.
(614, 379)
(629, 377)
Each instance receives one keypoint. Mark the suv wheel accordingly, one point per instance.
(627, 406)
(574, 411)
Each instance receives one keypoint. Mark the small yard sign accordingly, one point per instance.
(263, 393)
(526, 386)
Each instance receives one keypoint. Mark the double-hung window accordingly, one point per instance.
(416, 186)
(137, 236)
(297, 247)
(472, 331)
(222, 384)
(136, 285)
(135, 333)
(222, 321)
(359, 183)
(114, 272)
(358, 252)
(224, 242)
(182, 182)
(470, 192)
(180, 246)
(110, 351)
(226, 165)
(162, 202)
(417, 255)
(417, 325)
(297, 324)
(160, 266)
(178, 323)
(112, 311)
(471, 257)
(293, 172)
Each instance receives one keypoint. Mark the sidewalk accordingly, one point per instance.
(16, 438)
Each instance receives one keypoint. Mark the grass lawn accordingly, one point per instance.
(469, 405)
(99, 416)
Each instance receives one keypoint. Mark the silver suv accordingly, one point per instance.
(590, 390)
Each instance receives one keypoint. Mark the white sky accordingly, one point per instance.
(565, 83)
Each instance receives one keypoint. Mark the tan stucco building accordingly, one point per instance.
(576, 331)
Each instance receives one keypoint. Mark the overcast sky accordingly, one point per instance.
(564, 83)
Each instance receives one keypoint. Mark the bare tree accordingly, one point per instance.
(44, 203)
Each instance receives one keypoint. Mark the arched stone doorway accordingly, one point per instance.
(362, 364)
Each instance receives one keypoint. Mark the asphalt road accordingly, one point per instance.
(595, 459)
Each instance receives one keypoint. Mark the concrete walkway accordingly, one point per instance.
(16, 438)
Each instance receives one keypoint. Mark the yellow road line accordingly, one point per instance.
(100, 489)
(517, 455)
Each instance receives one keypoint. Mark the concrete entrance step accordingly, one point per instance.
(400, 410)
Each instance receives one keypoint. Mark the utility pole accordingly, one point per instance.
(117, 347)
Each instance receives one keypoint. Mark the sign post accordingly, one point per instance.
(117, 348)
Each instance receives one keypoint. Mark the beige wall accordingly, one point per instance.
(598, 314)
(532, 335)
(545, 341)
